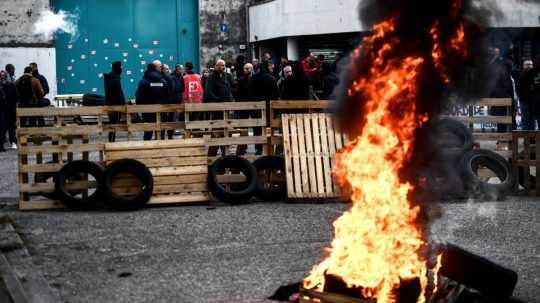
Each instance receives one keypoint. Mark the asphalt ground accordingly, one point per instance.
(234, 254)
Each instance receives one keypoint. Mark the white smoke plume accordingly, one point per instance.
(50, 23)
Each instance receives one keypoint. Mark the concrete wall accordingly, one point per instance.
(17, 18)
(284, 18)
(22, 56)
(214, 43)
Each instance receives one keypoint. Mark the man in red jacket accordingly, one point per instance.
(311, 65)
(193, 88)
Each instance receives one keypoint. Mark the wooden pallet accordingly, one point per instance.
(237, 118)
(179, 168)
(278, 108)
(525, 148)
(310, 144)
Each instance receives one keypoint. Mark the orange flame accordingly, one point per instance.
(378, 242)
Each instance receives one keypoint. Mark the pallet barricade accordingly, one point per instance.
(44, 150)
(525, 164)
(310, 144)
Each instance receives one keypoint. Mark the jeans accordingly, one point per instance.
(528, 116)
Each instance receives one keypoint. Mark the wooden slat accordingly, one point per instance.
(231, 123)
(332, 151)
(310, 155)
(61, 112)
(175, 171)
(148, 154)
(484, 119)
(60, 131)
(493, 136)
(327, 170)
(288, 156)
(236, 141)
(494, 102)
(298, 104)
(62, 148)
(318, 158)
(302, 154)
(40, 205)
(174, 161)
(236, 106)
(176, 199)
(295, 158)
(144, 145)
(49, 187)
(180, 188)
(40, 168)
(154, 108)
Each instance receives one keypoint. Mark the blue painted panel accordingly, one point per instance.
(135, 32)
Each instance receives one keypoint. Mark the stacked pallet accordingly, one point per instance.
(179, 168)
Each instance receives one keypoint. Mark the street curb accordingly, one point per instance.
(23, 280)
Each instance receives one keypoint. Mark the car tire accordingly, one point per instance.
(241, 192)
(135, 168)
(276, 192)
(76, 168)
(496, 163)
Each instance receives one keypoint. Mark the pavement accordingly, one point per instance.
(228, 254)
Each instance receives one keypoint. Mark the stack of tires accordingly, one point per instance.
(255, 183)
(453, 170)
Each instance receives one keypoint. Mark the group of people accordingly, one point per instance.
(29, 90)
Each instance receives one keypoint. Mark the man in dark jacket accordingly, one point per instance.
(295, 84)
(114, 95)
(244, 91)
(502, 82)
(219, 85)
(264, 88)
(30, 93)
(10, 112)
(152, 89)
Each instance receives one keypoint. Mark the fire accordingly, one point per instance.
(378, 242)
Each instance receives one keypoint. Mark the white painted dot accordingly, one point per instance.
(94, 89)
(106, 58)
(161, 55)
(116, 44)
(83, 57)
(63, 80)
(72, 60)
(143, 62)
(100, 75)
(85, 40)
(125, 60)
(171, 58)
(151, 52)
(93, 52)
(82, 82)
(131, 80)
(72, 74)
(70, 46)
(140, 55)
(105, 41)
(125, 54)
(70, 67)
(95, 65)
(142, 70)
(135, 45)
(129, 39)
(155, 42)
(128, 72)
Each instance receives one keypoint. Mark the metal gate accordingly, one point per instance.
(135, 32)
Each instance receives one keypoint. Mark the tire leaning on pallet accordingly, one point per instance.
(473, 160)
(242, 192)
(43, 177)
(136, 169)
(452, 134)
(75, 168)
(270, 192)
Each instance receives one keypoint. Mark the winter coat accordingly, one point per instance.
(295, 87)
(501, 81)
(264, 87)
(177, 88)
(152, 89)
(193, 88)
(43, 81)
(29, 90)
(218, 88)
(10, 91)
(330, 81)
(244, 89)
(114, 95)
